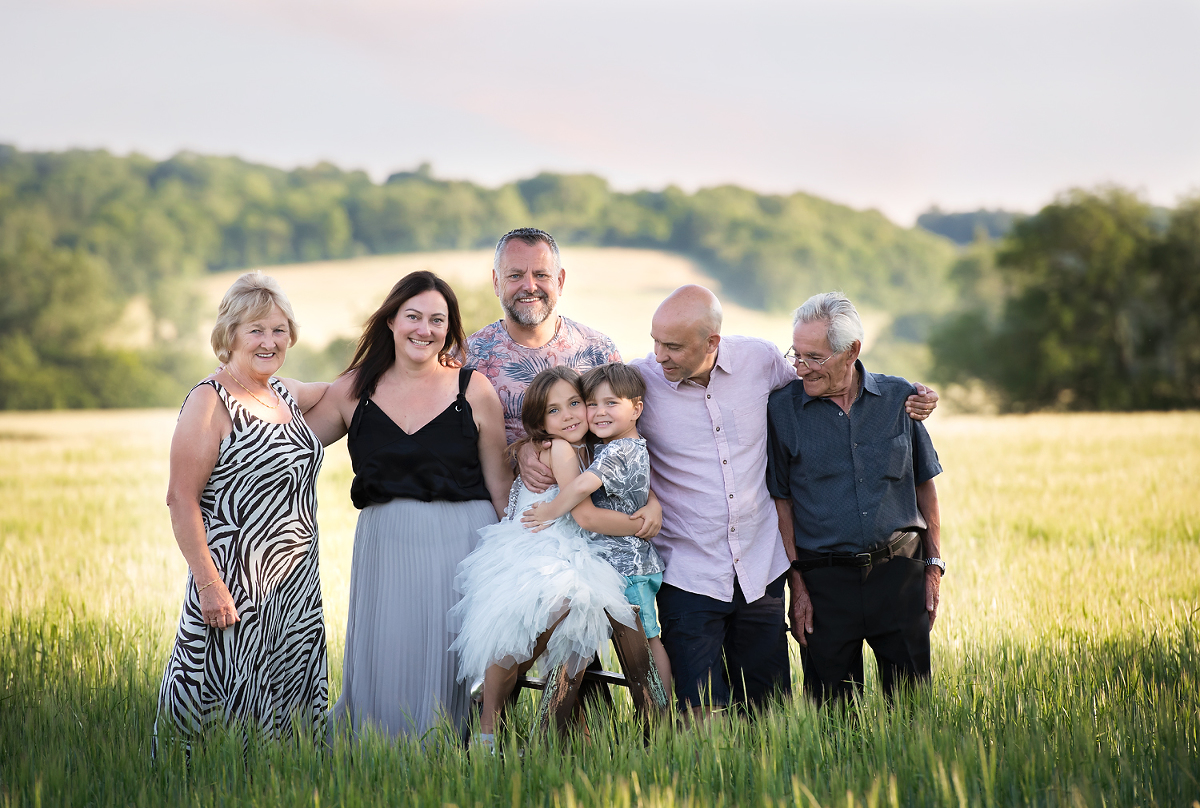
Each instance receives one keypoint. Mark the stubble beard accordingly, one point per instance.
(529, 317)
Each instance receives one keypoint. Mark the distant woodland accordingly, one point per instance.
(83, 232)
(1073, 307)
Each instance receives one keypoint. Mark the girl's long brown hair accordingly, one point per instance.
(376, 350)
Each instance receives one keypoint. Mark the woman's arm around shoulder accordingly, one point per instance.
(307, 394)
(489, 418)
(330, 416)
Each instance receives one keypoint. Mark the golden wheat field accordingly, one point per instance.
(1066, 656)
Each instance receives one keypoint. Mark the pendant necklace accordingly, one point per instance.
(251, 392)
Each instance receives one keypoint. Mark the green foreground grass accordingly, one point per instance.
(1067, 662)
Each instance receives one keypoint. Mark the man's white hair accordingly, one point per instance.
(835, 309)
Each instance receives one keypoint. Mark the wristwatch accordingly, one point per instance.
(936, 562)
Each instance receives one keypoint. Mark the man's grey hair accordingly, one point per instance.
(531, 236)
(834, 308)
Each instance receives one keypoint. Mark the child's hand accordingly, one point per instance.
(651, 516)
(536, 518)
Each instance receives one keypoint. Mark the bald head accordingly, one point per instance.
(692, 306)
(687, 330)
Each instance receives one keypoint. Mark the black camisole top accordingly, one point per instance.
(440, 461)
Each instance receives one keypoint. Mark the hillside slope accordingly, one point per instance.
(613, 289)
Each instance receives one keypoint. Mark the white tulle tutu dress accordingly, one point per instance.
(517, 583)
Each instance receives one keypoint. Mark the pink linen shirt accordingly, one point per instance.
(708, 468)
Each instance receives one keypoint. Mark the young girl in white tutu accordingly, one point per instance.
(526, 594)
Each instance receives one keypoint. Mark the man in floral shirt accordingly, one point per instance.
(528, 277)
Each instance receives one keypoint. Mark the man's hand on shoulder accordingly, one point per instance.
(921, 406)
(536, 475)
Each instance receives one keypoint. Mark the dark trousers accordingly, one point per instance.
(883, 605)
(725, 653)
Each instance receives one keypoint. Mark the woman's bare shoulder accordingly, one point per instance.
(204, 412)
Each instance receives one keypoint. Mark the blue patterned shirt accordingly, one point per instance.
(623, 467)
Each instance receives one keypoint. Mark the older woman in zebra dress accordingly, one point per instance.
(250, 647)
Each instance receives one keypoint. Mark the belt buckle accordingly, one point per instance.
(862, 559)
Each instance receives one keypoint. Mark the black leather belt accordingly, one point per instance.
(902, 544)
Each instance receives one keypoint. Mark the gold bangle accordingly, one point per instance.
(207, 585)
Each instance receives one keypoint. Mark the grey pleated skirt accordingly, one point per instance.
(399, 675)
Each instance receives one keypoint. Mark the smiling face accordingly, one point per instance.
(611, 417)
(833, 378)
(528, 282)
(566, 416)
(260, 345)
(420, 327)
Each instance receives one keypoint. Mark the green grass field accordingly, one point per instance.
(1067, 662)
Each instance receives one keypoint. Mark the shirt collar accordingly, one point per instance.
(866, 383)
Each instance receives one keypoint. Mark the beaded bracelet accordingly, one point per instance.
(207, 585)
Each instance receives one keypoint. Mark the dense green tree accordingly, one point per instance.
(1098, 311)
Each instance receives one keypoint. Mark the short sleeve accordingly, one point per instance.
(779, 455)
(926, 465)
(610, 351)
(613, 466)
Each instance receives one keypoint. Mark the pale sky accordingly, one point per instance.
(892, 104)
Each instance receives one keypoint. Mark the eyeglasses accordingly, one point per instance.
(795, 358)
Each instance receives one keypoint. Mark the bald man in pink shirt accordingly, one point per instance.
(705, 422)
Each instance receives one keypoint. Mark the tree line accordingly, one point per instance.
(83, 232)
(1092, 303)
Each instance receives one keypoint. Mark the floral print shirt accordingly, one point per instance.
(510, 367)
(623, 467)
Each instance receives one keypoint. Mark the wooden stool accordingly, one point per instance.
(560, 705)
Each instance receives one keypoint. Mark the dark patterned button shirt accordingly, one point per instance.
(851, 478)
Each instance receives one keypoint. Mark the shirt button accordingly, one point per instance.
(723, 462)
(864, 513)
(718, 429)
(860, 479)
(840, 413)
(856, 446)
(708, 395)
(733, 530)
(731, 496)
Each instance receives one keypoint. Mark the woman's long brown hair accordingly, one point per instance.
(376, 350)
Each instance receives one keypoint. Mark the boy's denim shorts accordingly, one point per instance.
(640, 591)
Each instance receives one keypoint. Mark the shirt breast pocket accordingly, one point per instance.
(751, 423)
(896, 457)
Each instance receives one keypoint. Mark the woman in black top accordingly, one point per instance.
(426, 439)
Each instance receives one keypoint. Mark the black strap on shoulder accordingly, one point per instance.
(356, 419)
(460, 404)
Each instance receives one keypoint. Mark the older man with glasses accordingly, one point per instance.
(705, 422)
(852, 477)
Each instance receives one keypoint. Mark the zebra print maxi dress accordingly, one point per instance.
(260, 514)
